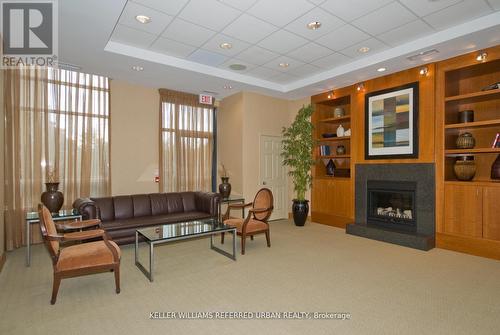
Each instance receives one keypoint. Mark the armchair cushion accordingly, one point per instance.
(252, 226)
(86, 255)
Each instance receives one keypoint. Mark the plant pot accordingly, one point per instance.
(52, 198)
(300, 210)
(225, 187)
(465, 168)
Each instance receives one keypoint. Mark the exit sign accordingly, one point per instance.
(206, 99)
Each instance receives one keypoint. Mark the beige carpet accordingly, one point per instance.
(387, 289)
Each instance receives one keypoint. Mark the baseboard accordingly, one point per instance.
(3, 258)
(290, 216)
(331, 220)
(469, 245)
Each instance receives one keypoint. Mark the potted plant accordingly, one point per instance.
(297, 153)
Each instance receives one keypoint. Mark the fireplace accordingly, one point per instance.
(395, 203)
(391, 205)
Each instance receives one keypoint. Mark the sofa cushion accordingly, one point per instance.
(174, 201)
(106, 208)
(142, 205)
(157, 220)
(124, 208)
(188, 201)
(158, 203)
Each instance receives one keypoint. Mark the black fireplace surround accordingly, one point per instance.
(395, 203)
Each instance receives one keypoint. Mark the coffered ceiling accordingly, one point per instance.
(270, 38)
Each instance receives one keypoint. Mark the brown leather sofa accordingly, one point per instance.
(122, 215)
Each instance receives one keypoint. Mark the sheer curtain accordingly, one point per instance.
(57, 123)
(186, 143)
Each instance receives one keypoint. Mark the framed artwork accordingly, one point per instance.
(391, 119)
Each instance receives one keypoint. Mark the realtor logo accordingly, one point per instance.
(29, 33)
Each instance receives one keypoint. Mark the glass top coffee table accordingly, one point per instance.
(180, 231)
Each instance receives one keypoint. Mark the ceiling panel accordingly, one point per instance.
(257, 55)
(133, 37)
(342, 38)
(171, 7)
(495, 4)
(461, 12)
(406, 33)
(214, 45)
(284, 78)
(263, 73)
(249, 29)
(328, 23)
(280, 13)
(372, 43)
(238, 4)
(282, 42)
(310, 52)
(211, 14)
(305, 70)
(384, 19)
(292, 64)
(207, 57)
(423, 8)
(331, 61)
(188, 33)
(352, 9)
(173, 48)
(231, 61)
(159, 21)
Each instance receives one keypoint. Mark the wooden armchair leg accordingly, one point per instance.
(117, 279)
(55, 288)
(268, 238)
(243, 240)
(222, 238)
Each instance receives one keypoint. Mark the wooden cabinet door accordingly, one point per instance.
(463, 210)
(491, 213)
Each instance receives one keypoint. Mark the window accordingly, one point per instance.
(186, 147)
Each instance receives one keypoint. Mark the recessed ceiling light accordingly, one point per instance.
(364, 49)
(314, 25)
(381, 69)
(143, 19)
(228, 87)
(226, 45)
(237, 67)
(284, 65)
(137, 68)
(481, 56)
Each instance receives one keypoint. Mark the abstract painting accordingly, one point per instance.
(392, 123)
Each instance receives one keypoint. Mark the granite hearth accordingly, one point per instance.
(384, 223)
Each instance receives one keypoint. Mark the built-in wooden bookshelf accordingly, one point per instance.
(332, 196)
(467, 211)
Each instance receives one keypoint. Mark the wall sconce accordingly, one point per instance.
(423, 71)
(360, 87)
(330, 95)
(481, 56)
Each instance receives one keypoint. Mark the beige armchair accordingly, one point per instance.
(79, 259)
(256, 220)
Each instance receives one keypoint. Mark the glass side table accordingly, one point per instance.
(232, 199)
(32, 217)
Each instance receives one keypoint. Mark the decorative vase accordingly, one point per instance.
(330, 168)
(300, 210)
(465, 168)
(53, 199)
(225, 187)
(495, 169)
(340, 131)
(466, 116)
(338, 112)
(340, 150)
(465, 141)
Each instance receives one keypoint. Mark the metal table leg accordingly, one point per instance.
(148, 274)
(28, 243)
(223, 252)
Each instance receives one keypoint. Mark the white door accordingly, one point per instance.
(273, 173)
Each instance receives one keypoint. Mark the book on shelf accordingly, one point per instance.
(496, 141)
(324, 150)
